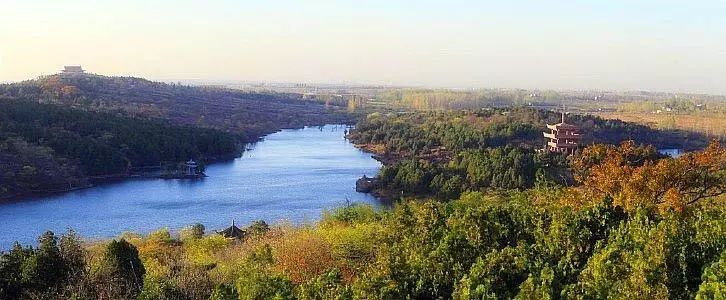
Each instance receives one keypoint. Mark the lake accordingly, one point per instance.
(289, 176)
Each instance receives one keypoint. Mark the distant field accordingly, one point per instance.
(710, 124)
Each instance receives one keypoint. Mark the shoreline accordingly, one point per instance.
(246, 189)
(99, 180)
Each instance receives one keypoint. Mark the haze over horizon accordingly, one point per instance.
(609, 45)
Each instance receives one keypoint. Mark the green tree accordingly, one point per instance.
(44, 270)
(11, 265)
(258, 227)
(495, 276)
(121, 273)
(260, 286)
(195, 231)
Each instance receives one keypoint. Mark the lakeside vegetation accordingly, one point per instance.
(443, 154)
(60, 131)
(48, 148)
(633, 226)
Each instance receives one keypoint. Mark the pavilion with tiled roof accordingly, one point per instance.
(233, 232)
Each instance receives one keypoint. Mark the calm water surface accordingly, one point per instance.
(290, 176)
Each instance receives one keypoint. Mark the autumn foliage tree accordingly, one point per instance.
(634, 177)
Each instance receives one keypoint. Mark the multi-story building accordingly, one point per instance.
(562, 137)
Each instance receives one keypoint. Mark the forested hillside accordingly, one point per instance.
(635, 227)
(59, 130)
(47, 147)
(251, 114)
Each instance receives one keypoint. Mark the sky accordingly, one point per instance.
(664, 45)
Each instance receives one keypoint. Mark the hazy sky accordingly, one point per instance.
(624, 45)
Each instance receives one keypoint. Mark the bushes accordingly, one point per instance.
(328, 286)
(120, 274)
(303, 256)
(496, 275)
(50, 271)
(351, 214)
(192, 232)
(224, 292)
(256, 286)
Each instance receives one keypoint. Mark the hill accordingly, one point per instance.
(250, 114)
(57, 132)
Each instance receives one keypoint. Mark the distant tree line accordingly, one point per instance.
(456, 99)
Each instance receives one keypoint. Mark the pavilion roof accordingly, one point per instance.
(233, 232)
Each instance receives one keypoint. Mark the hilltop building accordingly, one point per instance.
(73, 70)
(562, 137)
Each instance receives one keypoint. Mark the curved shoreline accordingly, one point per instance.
(99, 180)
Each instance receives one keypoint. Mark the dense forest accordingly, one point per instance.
(633, 227)
(445, 153)
(47, 147)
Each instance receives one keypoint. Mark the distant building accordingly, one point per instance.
(365, 184)
(73, 70)
(562, 137)
(191, 167)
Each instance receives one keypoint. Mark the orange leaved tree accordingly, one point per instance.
(634, 178)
